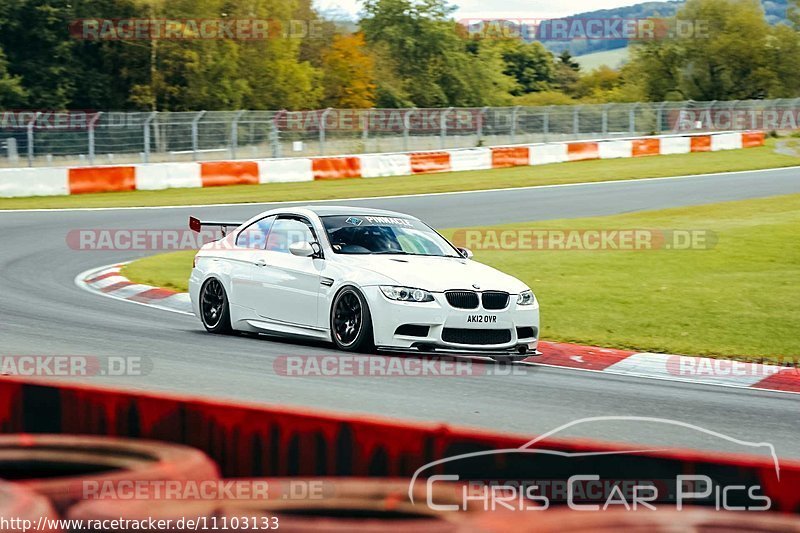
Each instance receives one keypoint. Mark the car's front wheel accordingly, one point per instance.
(214, 309)
(351, 322)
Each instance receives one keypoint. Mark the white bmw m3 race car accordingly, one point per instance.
(364, 279)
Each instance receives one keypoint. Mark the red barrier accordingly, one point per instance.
(753, 138)
(217, 173)
(582, 151)
(514, 156)
(422, 162)
(261, 440)
(701, 143)
(335, 168)
(643, 147)
(101, 179)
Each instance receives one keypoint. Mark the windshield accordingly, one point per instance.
(359, 235)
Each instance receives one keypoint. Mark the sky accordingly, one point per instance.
(535, 9)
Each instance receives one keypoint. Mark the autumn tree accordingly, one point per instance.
(348, 73)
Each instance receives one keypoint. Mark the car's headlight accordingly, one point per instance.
(406, 294)
(526, 298)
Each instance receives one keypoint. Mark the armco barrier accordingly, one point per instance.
(253, 440)
(60, 181)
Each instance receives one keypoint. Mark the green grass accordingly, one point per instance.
(170, 271)
(611, 169)
(739, 298)
(612, 58)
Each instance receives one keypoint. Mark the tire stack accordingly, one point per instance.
(75, 477)
(46, 477)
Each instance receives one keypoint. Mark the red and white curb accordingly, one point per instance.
(108, 281)
(701, 370)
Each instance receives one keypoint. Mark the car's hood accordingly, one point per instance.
(435, 274)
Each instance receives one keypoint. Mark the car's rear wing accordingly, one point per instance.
(195, 224)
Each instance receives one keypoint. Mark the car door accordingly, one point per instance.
(286, 287)
(244, 258)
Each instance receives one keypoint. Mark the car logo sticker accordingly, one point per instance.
(354, 221)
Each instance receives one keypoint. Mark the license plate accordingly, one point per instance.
(482, 319)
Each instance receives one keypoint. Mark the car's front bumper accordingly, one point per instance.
(389, 315)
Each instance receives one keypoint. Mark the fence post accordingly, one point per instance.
(146, 136)
(275, 134)
(443, 126)
(322, 119)
(479, 128)
(576, 120)
(407, 127)
(660, 118)
(92, 122)
(513, 132)
(365, 127)
(733, 111)
(546, 122)
(195, 120)
(632, 118)
(235, 132)
(30, 137)
(711, 115)
(604, 127)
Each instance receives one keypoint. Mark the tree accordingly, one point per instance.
(567, 72)
(12, 94)
(432, 65)
(529, 64)
(348, 73)
(34, 36)
(734, 58)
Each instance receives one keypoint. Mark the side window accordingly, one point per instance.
(286, 231)
(255, 235)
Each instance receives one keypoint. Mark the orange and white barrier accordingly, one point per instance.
(156, 176)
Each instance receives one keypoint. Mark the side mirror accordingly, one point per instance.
(465, 252)
(303, 249)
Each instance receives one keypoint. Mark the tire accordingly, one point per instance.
(215, 311)
(344, 339)
(63, 467)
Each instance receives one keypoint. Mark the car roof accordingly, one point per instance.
(333, 210)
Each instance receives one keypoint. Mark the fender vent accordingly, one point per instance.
(412, 330)
(526, 333)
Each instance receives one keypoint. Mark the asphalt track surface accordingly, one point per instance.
(42, 312)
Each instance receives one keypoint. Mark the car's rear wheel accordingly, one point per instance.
(351, 322)
(214, 309)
